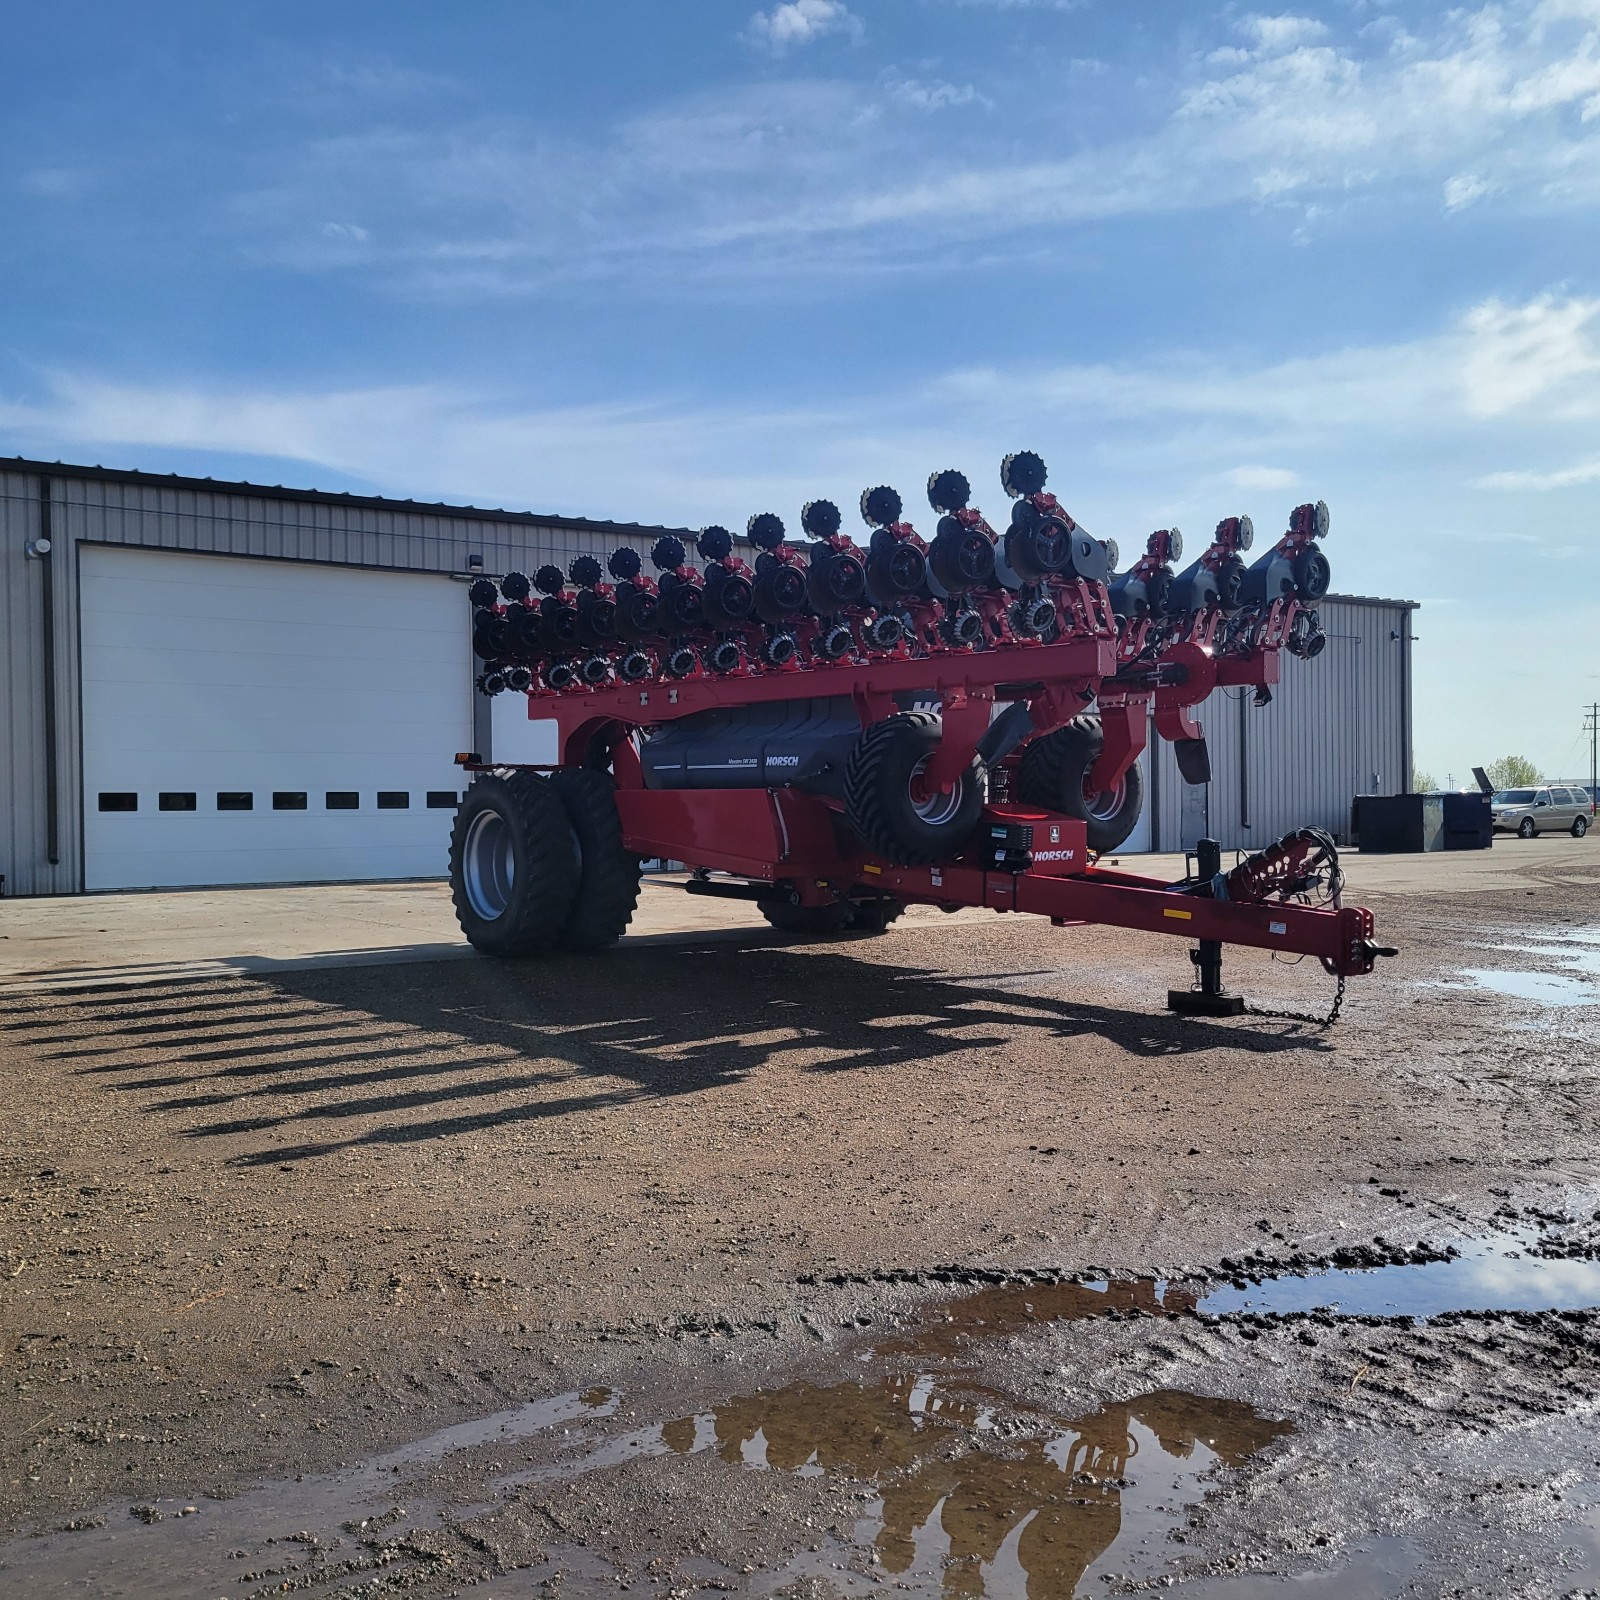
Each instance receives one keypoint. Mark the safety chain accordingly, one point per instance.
(1304, 1016)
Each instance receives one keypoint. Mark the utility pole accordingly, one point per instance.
(1591, 726)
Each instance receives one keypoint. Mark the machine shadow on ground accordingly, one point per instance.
(402, 1054)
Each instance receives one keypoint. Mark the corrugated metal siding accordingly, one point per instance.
(106, 510)
(1337, 727)
(24, 827)
(239, 524)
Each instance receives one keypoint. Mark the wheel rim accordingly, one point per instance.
(1526, 830)
(931, 807)
(1102, 805)
(488, 866)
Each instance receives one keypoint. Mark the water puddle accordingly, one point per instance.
(316, 1531)
(1575, 950)
(1037, 1509)
(963, 1491)
(1544, 988)
(959, 1489)
(1524, 1271)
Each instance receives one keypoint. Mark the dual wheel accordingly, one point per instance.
(537, 864)
(896, 813)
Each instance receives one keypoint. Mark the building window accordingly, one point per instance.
(288, 800)
(119, 802)
(343, 800)
(175, 801)
(393, 800)
(236, 800)
(443, 799)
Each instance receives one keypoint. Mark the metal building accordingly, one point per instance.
(207, 683)
(1336, 727)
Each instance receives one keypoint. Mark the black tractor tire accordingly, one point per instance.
(885, 810)
(514, 870)
(1054, 773)
(843, 916)
(608, 875)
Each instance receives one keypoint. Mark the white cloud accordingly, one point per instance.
(1273, 35)
(1262, 478)
(1546, 350)
(1541, 482)
(1464, 189)
(799, 22)
(668, 456)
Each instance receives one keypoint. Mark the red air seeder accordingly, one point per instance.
(838, 731)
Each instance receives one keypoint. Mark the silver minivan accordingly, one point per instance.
(1550, 808)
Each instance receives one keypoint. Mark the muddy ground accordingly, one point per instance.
(809, 1269)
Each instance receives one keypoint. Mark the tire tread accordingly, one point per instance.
(870, 807)
(543, 899)
(608, 886)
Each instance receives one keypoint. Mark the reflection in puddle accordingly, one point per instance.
(1544, 988)
(1577, 950)
(974, 1505)
(952, 1495)
(993, 1313)
(1486, 1275)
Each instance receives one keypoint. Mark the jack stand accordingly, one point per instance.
(1210, 999)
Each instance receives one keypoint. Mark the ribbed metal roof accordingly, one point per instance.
(277, 491)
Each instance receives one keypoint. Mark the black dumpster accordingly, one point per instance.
(1468, 822)
(1395, 824)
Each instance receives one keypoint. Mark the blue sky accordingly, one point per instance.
(684, 262)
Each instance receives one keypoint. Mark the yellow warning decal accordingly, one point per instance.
(867, 866)
(1182, 916)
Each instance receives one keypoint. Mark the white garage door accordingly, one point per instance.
(267, 721)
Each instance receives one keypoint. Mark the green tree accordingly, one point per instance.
(1423, 782)
(1513, 772)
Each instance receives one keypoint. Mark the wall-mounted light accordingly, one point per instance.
(474, 563)
(36, 549)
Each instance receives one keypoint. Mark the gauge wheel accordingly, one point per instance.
(888, 803)
(1054, 773)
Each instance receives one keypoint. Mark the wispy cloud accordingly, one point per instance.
(678, 457)
(1490, 107)
(1262, 478)
(1547, 350)
(1571, 477)
(936, 95)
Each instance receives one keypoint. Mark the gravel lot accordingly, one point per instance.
(759, 1259)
